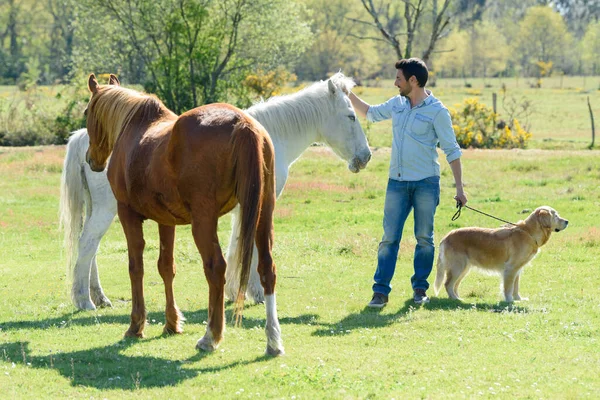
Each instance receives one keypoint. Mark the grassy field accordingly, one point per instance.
(327, 227)
(560, 116)
(559, 120)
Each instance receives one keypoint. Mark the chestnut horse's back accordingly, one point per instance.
(218, 149)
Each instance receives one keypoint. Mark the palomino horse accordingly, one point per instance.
(190, 169)
(322, 112)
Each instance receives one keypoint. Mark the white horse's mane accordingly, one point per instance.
(303, 111)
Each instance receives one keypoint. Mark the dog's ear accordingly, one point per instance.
(545, 219)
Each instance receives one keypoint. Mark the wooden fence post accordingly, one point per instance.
(592, 118)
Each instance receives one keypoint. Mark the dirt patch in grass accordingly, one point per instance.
(32, 159)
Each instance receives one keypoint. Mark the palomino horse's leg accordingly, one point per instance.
(204, 229)
(166, 268)
(132, 226)
(267, 271)
(255, 290)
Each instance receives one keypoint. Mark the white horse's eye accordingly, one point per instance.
(352, 118)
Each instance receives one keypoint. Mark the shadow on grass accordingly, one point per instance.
(377, 318)
(91, 318)
(106, 368)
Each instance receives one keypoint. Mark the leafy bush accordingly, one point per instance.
(29, 118)
(70, 118)
(477, 126)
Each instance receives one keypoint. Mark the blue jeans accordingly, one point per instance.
(400, 198)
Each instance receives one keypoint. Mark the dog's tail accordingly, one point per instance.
(441, 270)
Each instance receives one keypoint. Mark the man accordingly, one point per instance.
(419, 123)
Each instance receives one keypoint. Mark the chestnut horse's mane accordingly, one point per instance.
(115, 106)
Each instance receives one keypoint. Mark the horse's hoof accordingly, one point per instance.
(275, 352)
(206, 345)
(134, 334)
(85, 304)
(104, 303)
(259, 298)
(172, 330)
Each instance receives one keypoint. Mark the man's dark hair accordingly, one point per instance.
(413, 66)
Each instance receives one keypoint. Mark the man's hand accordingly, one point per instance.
(461, 198)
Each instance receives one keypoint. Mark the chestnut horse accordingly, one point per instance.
(321, 112)
(190, 169)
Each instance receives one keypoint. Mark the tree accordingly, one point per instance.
(578, 13)
(11, 54)
(61, 37)
(489, 51)
(590, 47)
(456, 59)
(543, 36)
(336, 46)
(386, 18)
(199, 51)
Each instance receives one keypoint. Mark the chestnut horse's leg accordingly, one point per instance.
(204, 229)
(132, 226)
(267, 272)
(166, 268)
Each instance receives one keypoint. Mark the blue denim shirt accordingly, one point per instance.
(417, 132)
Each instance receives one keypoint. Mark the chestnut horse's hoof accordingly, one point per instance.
(134, 334)
(206, 344)
(172, 330)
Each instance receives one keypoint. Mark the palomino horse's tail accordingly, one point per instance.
(248, 164)
(72, 192)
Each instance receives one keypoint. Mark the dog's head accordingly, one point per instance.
(543, 221)
(549, 219)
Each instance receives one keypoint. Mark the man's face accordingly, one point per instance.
(402, 84)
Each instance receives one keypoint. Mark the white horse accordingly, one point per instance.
(321, 112)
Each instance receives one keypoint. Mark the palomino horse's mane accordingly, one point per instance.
(302, 111)
(113, 107)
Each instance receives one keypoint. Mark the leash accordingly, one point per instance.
(460, 206)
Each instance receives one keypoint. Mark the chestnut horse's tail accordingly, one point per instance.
(72, 195)
(248, 166)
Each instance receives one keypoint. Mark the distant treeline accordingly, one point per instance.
(191, 52)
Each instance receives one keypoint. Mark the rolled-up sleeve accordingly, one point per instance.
(381, 111)
(442, 124)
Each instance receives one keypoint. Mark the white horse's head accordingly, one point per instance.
(341, 129)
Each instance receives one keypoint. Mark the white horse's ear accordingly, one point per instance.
(113, 80)
(332, 88)
(93, 83)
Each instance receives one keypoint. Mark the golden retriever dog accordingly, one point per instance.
(504, 251)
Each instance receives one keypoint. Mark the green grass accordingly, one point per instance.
(327, 228)
(560, 118)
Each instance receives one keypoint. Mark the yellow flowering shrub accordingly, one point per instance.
(475, 126)
(267, 84)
